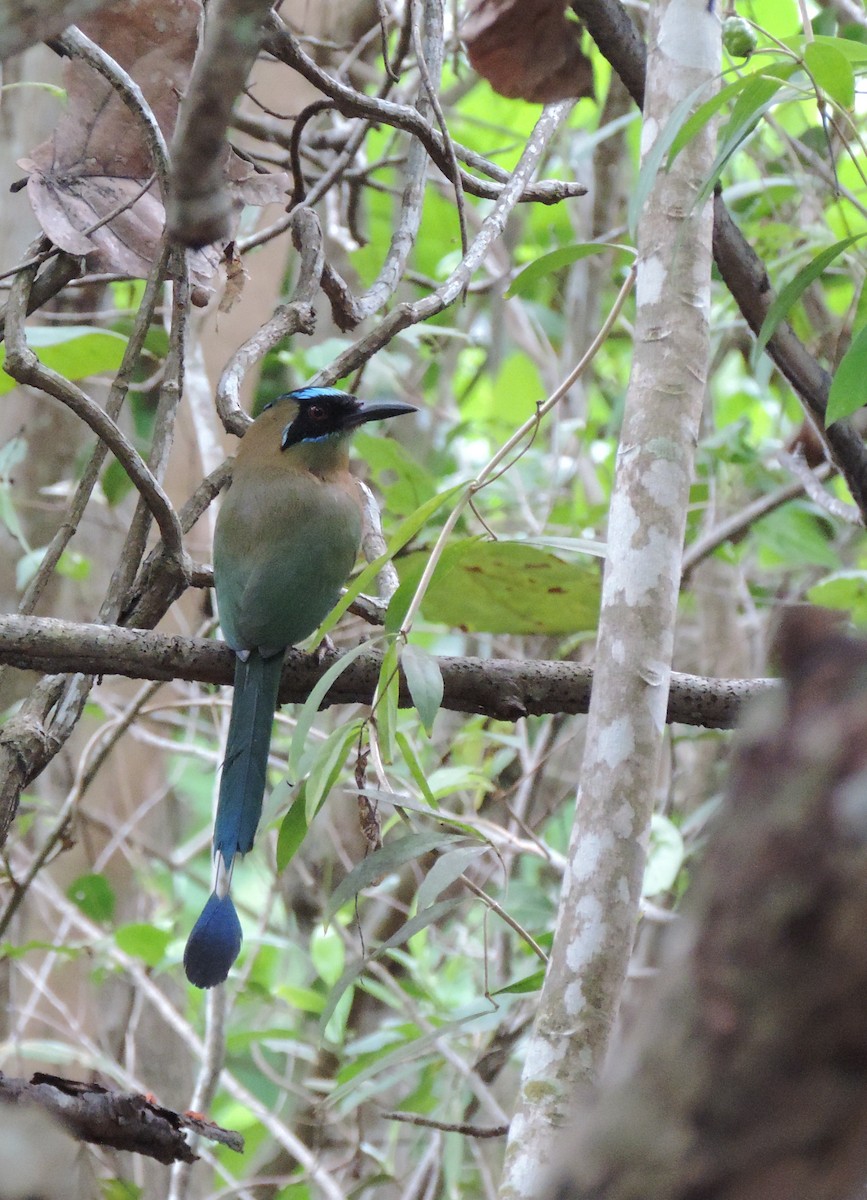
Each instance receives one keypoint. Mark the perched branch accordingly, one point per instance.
(495, 687)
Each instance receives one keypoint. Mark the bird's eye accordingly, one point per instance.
(316, 412)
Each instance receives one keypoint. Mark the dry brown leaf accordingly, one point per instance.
(527, 49)
(98, 159)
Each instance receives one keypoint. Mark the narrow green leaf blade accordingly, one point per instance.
(795, 288)
(444, 872)
(832, 72)
(555, 260)
(293, 829)
(383, 862)
(425, 682)
(327, 767)
(310, 708)
(409, 929)
(415, 768)
(849, 386)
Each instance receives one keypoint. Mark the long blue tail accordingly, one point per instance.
(215, 940)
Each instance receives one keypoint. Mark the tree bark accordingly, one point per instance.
(602, 886)
(747, 1073)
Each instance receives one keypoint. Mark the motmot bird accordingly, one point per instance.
(286, 538)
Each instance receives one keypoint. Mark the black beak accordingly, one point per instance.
(376, 412)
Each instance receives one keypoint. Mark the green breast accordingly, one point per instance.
(284, 545)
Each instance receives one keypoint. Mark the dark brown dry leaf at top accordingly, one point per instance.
(98, 157)
(527, 49)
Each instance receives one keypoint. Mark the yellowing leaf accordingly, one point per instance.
(502, 587)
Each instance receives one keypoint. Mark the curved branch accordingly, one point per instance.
(280, 42)
(296, 316)
(24, 367)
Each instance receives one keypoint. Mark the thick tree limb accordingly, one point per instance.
(122, 1120)
(497, 688)
(747, 1073)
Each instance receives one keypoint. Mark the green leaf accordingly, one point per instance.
(795, 288)
(501, 587)
(402, 481)
(383, 861)
(328, 955)
(94, 896)
(854, 51)
(409, 929)
(293, 829)
(388, 693)
(72, 565)
(75, 351)
(846, 590)
(120, 1189)
(310, 708)
(555, 260)
(415, 768)
(304, 999)
(757, 97)
(664, 856)
(9, 950)
(27, 566)
(795, 535)
(652, 161)
(831, 71)
(143, 941)
(115, 483)
(849, 386)
(327, 767)
(404, 533)
(530, 983)
(444, 872)
(711, 107)
(425, 682)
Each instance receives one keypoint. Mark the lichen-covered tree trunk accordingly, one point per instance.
(746, 1074)
(599, 903)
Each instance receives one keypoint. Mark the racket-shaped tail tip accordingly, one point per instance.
(214, 943)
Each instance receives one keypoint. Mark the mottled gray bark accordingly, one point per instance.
(601, 892)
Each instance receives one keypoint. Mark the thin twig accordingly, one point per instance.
(473, 1131)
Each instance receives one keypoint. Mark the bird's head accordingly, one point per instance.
(315, 414)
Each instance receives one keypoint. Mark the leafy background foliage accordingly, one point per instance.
(396, 969)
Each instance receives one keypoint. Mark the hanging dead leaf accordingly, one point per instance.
(527, 49)
(97, 162)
